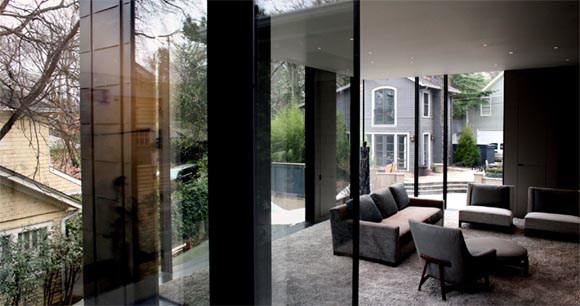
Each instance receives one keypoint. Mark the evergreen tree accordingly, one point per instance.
(467, 152)
(470, 85)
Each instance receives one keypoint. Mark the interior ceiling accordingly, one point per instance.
(413, 38)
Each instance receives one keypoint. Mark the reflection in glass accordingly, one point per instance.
(171, 46)
(309, 74)
(144, 135)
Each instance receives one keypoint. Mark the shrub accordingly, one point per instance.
(288, 138)
(190, 206)
(467, 152)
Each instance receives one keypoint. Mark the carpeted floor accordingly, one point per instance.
(305, 272)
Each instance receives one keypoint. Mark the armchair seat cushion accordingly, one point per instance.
(505, 249)
(486, 215)
(553, 222)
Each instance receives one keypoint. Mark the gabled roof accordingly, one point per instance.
(39, 107)
(497, 78)
(430, 84)
(28, 185)
(422, 82)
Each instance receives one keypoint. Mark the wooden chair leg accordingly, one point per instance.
(442, 279)
(423, 277)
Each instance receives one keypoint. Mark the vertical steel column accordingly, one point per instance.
(445, 136)
(417, 139)
(310, 181)
(354, 148)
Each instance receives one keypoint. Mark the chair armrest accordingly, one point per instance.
(426, 203)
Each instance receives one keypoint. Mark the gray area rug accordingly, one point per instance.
(305, 272)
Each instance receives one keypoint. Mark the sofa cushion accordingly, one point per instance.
(368, 209)
(385, 202)
(486, 215)
(422, 214)
(556, 201)
(401, 219)
(558, 223)
(490, 196)
(400, 194)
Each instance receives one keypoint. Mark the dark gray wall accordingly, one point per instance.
(320, 143)
(541, 130)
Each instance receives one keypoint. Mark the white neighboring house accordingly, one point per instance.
(486, 120)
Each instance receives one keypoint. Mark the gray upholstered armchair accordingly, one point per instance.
(446, 256)
(488, 204)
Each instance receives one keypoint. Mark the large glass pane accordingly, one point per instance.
(170, 48)
(476, 133)
(310, 65)
(432, 120)
(391, 146)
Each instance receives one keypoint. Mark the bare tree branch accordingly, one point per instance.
(38, 88)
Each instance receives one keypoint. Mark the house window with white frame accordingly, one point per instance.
(485, 107)
(426, 161)
(426, 104)
(31, 235)
(384, 106)
(402, 152)
(384, 149)
(32, 238)
(390, 148)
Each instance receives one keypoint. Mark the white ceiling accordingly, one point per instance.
(414, 38)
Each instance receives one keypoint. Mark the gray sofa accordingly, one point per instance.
(555, 211)
(385, 234)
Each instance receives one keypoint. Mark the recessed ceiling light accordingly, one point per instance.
(511, 52)
(567, 59)
(412, 62)
(495, 65)
(372, 62)
(412, 58)
(484, 45)
(556, 48)
(370, 52)
(319, 48)
(351, 38)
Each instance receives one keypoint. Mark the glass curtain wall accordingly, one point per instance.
(143, 113)
(171, 58)
(430, 139)
(475, 132)
(388, 127)
(310, 62)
